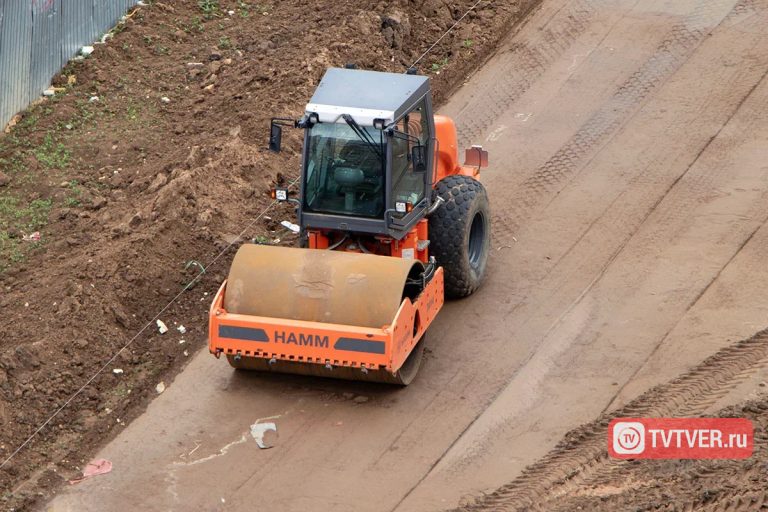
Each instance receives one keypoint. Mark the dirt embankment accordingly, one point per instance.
(151, 159)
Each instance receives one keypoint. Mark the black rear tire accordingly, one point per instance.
(460, 233)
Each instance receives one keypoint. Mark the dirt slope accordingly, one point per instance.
(153, 157)
(630, 196)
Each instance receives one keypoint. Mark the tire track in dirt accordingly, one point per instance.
(523, 64)
(735, 84)
(582, 454)
(674, 50)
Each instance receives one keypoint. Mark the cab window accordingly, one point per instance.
(413, 128)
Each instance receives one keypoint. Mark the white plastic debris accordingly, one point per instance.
(290, 225)
(231, 13)
(160, 387)
(93, 99)
(161, 327)
(181, 342)
(258, 430)
(86, 51)
(165, 99)
(186, 353)
(181, 329)
(117, 371)
(49, 92)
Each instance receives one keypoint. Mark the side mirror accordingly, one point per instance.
(476, 156)
(419, 158)
(275, 136)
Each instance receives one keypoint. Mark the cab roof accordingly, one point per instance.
(366, 95)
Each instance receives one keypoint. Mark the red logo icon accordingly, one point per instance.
(680, 438)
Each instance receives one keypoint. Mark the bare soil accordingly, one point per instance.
(151, 159)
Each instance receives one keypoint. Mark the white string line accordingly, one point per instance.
(146, 326)
(446, 33)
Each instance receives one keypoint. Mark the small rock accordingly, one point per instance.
(160, 387)
(93, 99)
(215, 55)
(4, 179)
(135, 221)
(182, 330)
(165, 99)
(361, 399)
(97, 203)
(117, 371)
(161, 327)
(159, 181)
(120, 316)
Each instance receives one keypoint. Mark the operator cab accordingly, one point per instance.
(368, 153)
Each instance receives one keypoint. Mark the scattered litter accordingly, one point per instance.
(161, 327)
(182, 330)
(94, 468)
(14, 120)
(26, 304)
(160, 387)
(141, 3)
(68, 126)
(194, 449)
(186, 353)
(258, 430)
(231, 13)
(49, 92)
(503, 247)
(290, 225)
(33, 237)
(117, 371)
(165, 99)
(93, 99)
(181, 342)
(86, 51)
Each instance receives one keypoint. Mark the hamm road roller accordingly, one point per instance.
(390, 225)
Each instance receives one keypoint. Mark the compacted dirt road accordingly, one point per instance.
(629, 185)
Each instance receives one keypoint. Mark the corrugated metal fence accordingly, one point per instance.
(37, 37)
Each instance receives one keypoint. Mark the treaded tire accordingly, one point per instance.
(460, 233)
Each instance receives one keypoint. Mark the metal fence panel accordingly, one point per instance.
(37, 37)
(77, 26)
(16, 40)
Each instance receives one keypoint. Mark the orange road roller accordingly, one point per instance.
(390, 225)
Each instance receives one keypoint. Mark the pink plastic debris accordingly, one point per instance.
(94, 468)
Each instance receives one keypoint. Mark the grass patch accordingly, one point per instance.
(209, 8)
(52, 154)
(17, 217)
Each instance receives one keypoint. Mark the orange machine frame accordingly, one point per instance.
(384, 348)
